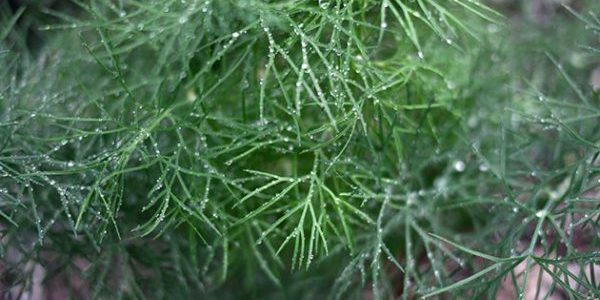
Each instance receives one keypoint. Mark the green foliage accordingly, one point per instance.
(296, 149)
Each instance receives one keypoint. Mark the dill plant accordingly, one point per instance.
(295, 149)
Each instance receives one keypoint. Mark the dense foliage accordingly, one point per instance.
(298, 149)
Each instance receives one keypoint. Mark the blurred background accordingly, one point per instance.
(532, 26)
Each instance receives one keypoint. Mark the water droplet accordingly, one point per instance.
(541, 213)
(323, 4)
(459, 166)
